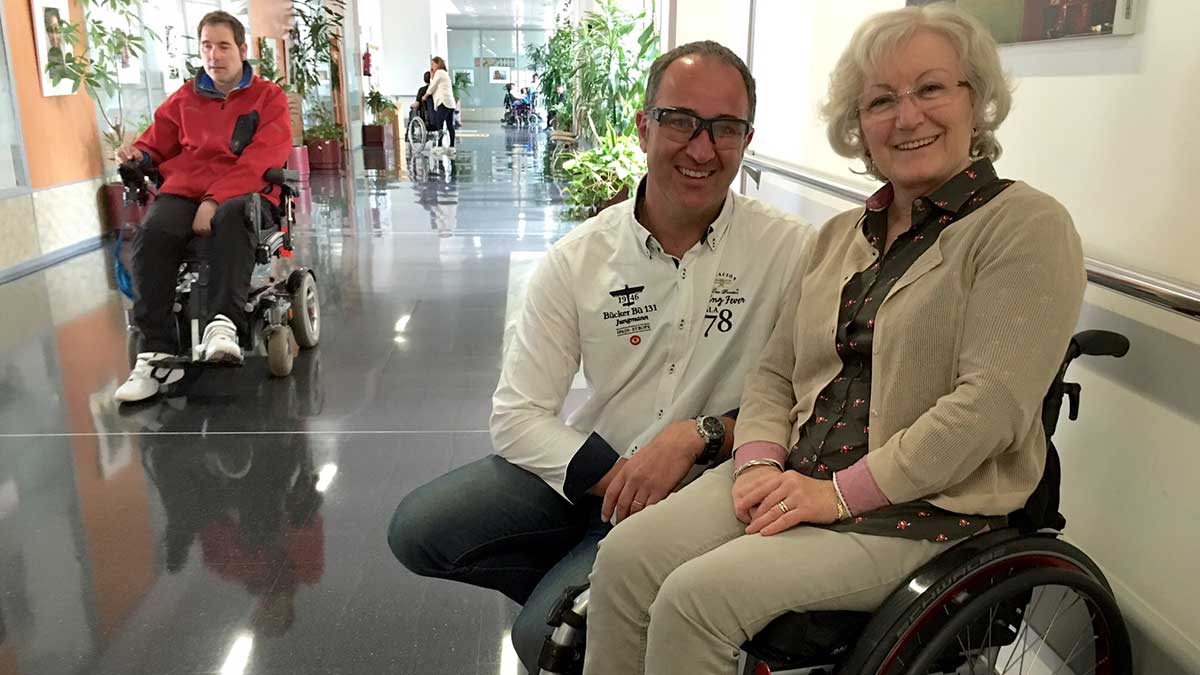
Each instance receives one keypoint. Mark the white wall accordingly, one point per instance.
(1105, 125)
(725, 21)
(407, 44)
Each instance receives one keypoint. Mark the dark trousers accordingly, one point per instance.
(445, 117)
(162, 243)
(495, 525)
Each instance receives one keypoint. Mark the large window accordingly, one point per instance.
(483, 53)
(12, 163)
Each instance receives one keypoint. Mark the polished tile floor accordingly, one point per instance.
(239, 526)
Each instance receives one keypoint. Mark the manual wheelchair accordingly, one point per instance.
(989, 604)
(283, 310)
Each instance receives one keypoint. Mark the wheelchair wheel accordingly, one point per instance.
(306, 310)
(417, 132)
(1029, 619)
(1013, 607)
(281, 351)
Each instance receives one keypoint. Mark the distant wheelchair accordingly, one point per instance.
(1014, 600)
(422, 127)
(284, 312)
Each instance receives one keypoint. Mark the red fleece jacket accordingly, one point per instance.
(190, 139)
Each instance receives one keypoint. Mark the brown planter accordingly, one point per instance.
(616, 199)
(118, 214)
(324, 155)
(377, 135)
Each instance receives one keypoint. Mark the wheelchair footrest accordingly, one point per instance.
(185, 362)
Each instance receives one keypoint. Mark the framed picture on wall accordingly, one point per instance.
(48, 17)
(498, 75)
(1035, 20)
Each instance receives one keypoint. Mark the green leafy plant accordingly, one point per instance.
(598, 174)
(317, 33)
(265, 63)
(325, 129)
(555, 64)
(460, 84)
(613, 53)
(109, 44)
(379, 105)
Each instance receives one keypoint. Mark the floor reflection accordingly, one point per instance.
(237, 526)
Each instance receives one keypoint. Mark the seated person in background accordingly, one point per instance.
(416, 105)
(666, 299)
(906, 374)
(212, 140)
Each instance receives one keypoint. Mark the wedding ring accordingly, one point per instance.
(783, 508)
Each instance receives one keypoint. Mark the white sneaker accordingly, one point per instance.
(145, 380)
(220, 342)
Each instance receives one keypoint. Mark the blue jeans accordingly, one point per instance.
(498, 526)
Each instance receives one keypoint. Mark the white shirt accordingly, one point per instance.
(440, 90)
(659, 342)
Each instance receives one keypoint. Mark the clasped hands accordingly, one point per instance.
(759, 491)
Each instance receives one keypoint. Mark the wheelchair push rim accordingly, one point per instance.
(1063, 597)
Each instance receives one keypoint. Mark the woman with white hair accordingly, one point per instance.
(896, 407)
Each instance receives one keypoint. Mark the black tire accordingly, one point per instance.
(1111, 651)
(306, 311)
(911, 617)
(280, 354)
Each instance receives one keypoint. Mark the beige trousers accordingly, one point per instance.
(679, 587)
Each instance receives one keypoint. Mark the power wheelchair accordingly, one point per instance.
(283, 309)
(986, 605)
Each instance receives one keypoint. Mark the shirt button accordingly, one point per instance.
(874, 412)
(660, 414)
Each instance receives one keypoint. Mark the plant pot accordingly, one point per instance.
(616, 199)
(119, 215)
(298, 160)
(324, 155)
(377, 135)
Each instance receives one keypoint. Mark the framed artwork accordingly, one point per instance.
(1013, 21)
(498, 75)
(48, 16)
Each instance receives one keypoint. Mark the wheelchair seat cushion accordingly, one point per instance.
(802, 640)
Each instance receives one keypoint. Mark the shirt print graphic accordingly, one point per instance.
(724, 301)
(630, 318)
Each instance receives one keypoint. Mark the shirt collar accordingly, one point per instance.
(951, 196)
(712, 239)
(206, 87)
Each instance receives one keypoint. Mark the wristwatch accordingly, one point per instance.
(712, 430)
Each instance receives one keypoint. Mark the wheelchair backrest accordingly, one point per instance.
(1041, 509)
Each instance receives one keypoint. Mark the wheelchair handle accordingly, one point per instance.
(1100, 343)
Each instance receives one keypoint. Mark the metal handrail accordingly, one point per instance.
(1169, 294)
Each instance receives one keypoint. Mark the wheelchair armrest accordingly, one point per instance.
(288, 179)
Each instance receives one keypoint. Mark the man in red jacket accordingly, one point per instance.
(212, 140)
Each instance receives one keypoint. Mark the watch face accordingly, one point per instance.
(713, 428)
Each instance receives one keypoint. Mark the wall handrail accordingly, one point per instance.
(1169, 294)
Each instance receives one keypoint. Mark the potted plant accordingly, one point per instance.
(324, 142)
(383, 109)
(113, 32)
(314, 39)
(603, 175)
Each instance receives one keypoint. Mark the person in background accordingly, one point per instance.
(442, 94)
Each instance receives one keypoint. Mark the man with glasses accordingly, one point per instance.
(666, 300)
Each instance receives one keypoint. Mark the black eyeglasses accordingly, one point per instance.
(683, 126)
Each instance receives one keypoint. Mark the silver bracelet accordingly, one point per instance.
(757, 462)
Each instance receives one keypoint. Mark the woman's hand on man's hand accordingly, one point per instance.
(807, 500)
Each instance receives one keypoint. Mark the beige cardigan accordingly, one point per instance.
(966, 344)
